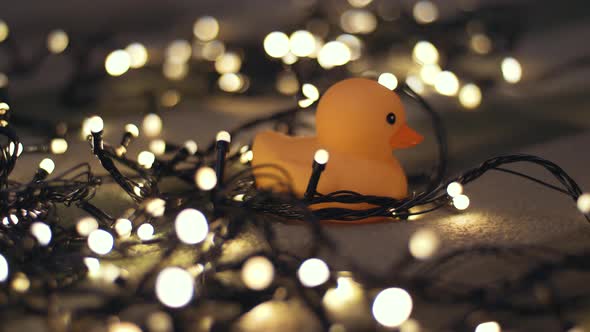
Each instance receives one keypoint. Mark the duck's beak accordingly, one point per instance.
(405, 137)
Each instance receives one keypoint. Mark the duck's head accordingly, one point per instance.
(360, 116)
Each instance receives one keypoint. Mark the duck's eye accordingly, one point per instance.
(390, 118)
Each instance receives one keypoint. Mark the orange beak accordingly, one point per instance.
(405, 137)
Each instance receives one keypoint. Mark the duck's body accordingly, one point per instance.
(295, 156)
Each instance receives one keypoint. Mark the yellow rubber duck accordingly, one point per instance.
(359, 122)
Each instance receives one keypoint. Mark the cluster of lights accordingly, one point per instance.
(455, 191)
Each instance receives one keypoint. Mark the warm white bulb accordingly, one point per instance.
(117, 63)
(191, 226)
(310, 91)
(191, 146)
(132, 129)
(388, 80)
(584, 203)
(355, 45)
(334, 54)
(470, 96)
(95, 124)
(3, 269)
(178, 52)
(158, 147)
(392, 307)
(156, 207)
(41, 232)
(429, 72)
(124, 327)
(138, 55)
(415, 83)
(206, 28)
(100, 242)
(321, 156)
(425, 53)
(461, 202)
(174, 287)
(206, 178)
(424, 243)
(425, 12)
(258, 273)
(313, 272)
(228, 62)
(47, 165)
(57, 41)
(152, 125)
(276, 44)
(146, 159)
(86, 225)
(231, 82)
(11, 148)
(488, 327)
(454, 189)
(302, 43)
(446, 83)
(145, 232)
(223, 136)
(4, 31)
(123, 227)
(358, 21)
(511, 70)
(58, 146)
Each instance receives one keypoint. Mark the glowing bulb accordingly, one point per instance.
(446, 83)
(117, 63)
(86, 225)
(359, 21)
(230, 82)
(392, 307)
(584, 203)
(488, 327)
(95, 124)
(124, 327)
(511, 70)
(158, 147)
(481, 43)
(206, 28)
(424, 243)
(289, 58)
(355, 45)
(11, 148)
(313, 272)
(132, 129)
(302, 43)
(359, 3)
(276, 44)
(191, 226)
(123, 227)
(170, 98)
(425, 53)
(321, 156)
(3, 269)
(212, 50)
(156, 207)
(388, 80)
(223, 136)
(461, 202)
(138, 55)
(333, 54)
(258, 273)
(4, 31)
(178, 52)
(145, 232)
(146, 159)
(428, 73)
(191, 146)
(228, 62)
(174, 287)
(175, 70)
(57, 41)
(304, 103)
(21, 283)
(454, 189)
(470, 96)
(287, 83)
(415, 83)
(310, 91)
(152, 125)
(47, 165)
(425, 12)
(206, 178)
(41, 232)
(58, 146)
(100, 242)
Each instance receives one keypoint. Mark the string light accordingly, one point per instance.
(392, 307)
(212, 50)
(461, 202)
(454, 189)
(92, 124)
(228, 62)
(257, 273)
(155, 207)
(429, 72)
(424, 243)
(124, 327)
(480, 43)
(425, 53)
(446, 83)
(359, 21)
(583, 203)
(321, 157)
(117, 63)
(4, 31)
(488, 327)
(191, 226)
(11, 148)
(100, 242)
(3, 269)
(123, 227)
(302, 43)
(152, 125)
(191, 146)
(145, 232)
(174, 287)
(206, 178)
(388, 80)
(178, 52)
(57, 41)
(313, 272)
(230, 82)
(276, 44)
(175, 71)
(334, 54)
(359, 3)
(415, 83)
(138, 55)
(310, 91)
(287, 83)
(206, 28)
(158, 147)
(425, 12)
(20, 283)
(47, 165)
(146, 159)
(86, 225)
(354, 44)
(42, 232)
(511, 70)
(58, 146)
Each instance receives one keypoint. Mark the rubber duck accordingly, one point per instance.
(359, 122)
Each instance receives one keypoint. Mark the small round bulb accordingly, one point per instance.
(223, 136)
(206, 178)
(47, 165)
(321, 156)
(132, 129)
(58, 146)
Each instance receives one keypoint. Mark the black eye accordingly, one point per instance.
(390, 118)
